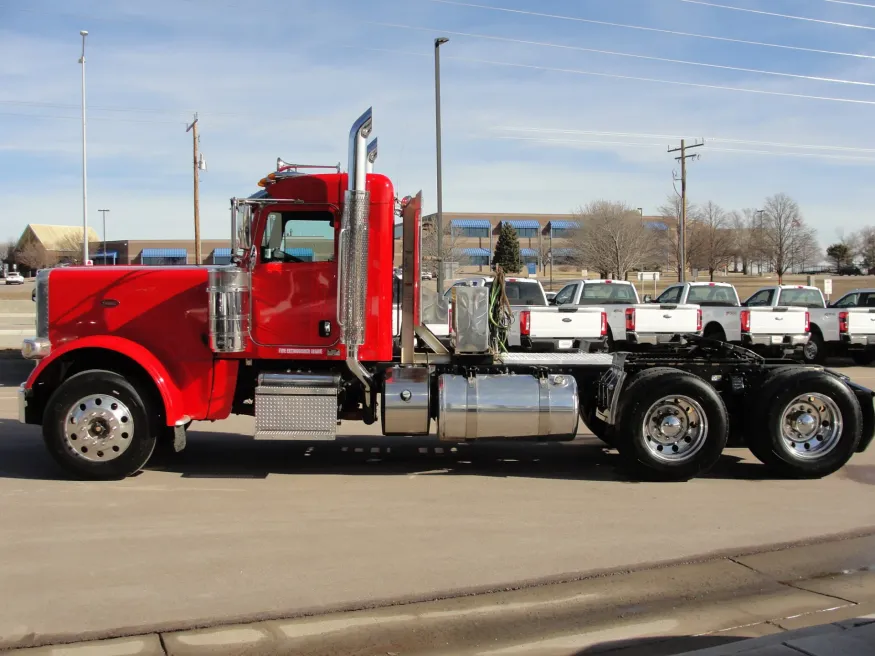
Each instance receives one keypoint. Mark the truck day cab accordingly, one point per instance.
(297, 332)
(630, 322)
(765, 329)
(839, 329)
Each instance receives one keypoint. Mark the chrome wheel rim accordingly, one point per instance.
(810, 350)
(675, 428)
(98, 428)
(811, 426)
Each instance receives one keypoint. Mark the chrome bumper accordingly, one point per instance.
(654, 339)
(858, 340)
(23, 393)
(775, 340)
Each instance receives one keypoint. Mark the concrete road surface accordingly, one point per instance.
(234, 529)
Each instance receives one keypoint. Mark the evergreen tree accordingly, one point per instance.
(507, 250)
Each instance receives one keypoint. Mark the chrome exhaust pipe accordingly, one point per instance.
(353, 269)
(372, 152)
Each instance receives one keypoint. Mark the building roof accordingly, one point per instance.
(58, 237)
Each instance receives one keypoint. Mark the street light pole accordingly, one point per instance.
(440, 184)
(103, 212)
(84, 33)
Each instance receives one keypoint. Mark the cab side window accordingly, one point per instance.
(298, 237)
(670, 295)
(762, 298)
(566, 295)
(851, 300)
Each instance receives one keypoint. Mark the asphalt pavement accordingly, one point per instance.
(235, 530)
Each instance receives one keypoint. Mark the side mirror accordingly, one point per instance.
(648, 298)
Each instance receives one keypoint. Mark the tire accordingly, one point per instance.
(814, 352)
(862, 358)
(699, 419)
(836, 419)
(715, 332)
(97, 426)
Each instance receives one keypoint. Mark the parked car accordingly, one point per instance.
(14, 278)
(836, 330)
(630, 322)
(426, 275)
(781, 330)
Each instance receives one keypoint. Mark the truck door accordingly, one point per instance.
(294, 280)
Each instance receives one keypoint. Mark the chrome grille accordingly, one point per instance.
(42, 303)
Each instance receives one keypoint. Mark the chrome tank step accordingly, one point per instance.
(296, 407)
(559, 359)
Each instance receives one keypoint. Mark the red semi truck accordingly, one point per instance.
(297, 331)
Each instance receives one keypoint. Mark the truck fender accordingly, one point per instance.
(170, 394)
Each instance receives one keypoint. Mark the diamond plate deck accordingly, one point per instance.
(559, 359)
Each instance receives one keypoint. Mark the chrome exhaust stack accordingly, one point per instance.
(353, 270)
(372, 155)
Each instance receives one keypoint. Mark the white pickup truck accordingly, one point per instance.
(536, 326)
(840, 329)
(631, 322)
(768, 329)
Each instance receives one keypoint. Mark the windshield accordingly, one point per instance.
(807, 298)
(523, 293)
(712, 296)
(603, 293)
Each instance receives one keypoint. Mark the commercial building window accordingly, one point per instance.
(164, 257)
(473, 228)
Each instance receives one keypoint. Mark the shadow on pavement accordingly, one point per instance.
(228, 455)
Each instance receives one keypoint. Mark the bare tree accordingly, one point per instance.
(671, 211)
(429, 246)
(784, 232)
(808, 251)
(69, 249)
(867, 247)
(612, 238)
(7, 251)
(748, 238)
(31, 256)
(713, 239)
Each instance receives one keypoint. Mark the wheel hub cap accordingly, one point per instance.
(675, 428)
(98, 428)
(811, 426)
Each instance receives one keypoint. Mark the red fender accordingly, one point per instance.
(170, 393)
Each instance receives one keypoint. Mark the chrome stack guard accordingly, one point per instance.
(23, 393)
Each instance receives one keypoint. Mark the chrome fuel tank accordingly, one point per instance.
(507, 406)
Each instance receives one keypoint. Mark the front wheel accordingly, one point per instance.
(98, 427)
(672, 425)
(807, 424)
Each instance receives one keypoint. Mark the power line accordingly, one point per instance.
(655, 29)
(626, 54)
(676, 136)
(771, 13)
(630, 77)
(777, 153)
(854, 4)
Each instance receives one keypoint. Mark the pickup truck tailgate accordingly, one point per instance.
(561, 323)
(666, 319)
(861, 321)
(777, 321)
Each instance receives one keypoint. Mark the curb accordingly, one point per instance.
(686, 607)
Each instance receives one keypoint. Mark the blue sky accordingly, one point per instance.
(287, 78)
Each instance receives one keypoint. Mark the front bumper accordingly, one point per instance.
(23, 394)
(785, 341)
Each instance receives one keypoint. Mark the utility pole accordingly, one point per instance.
(84, 33)
(103, 212)
(440, 184)
(197, 202)
(682, 225)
